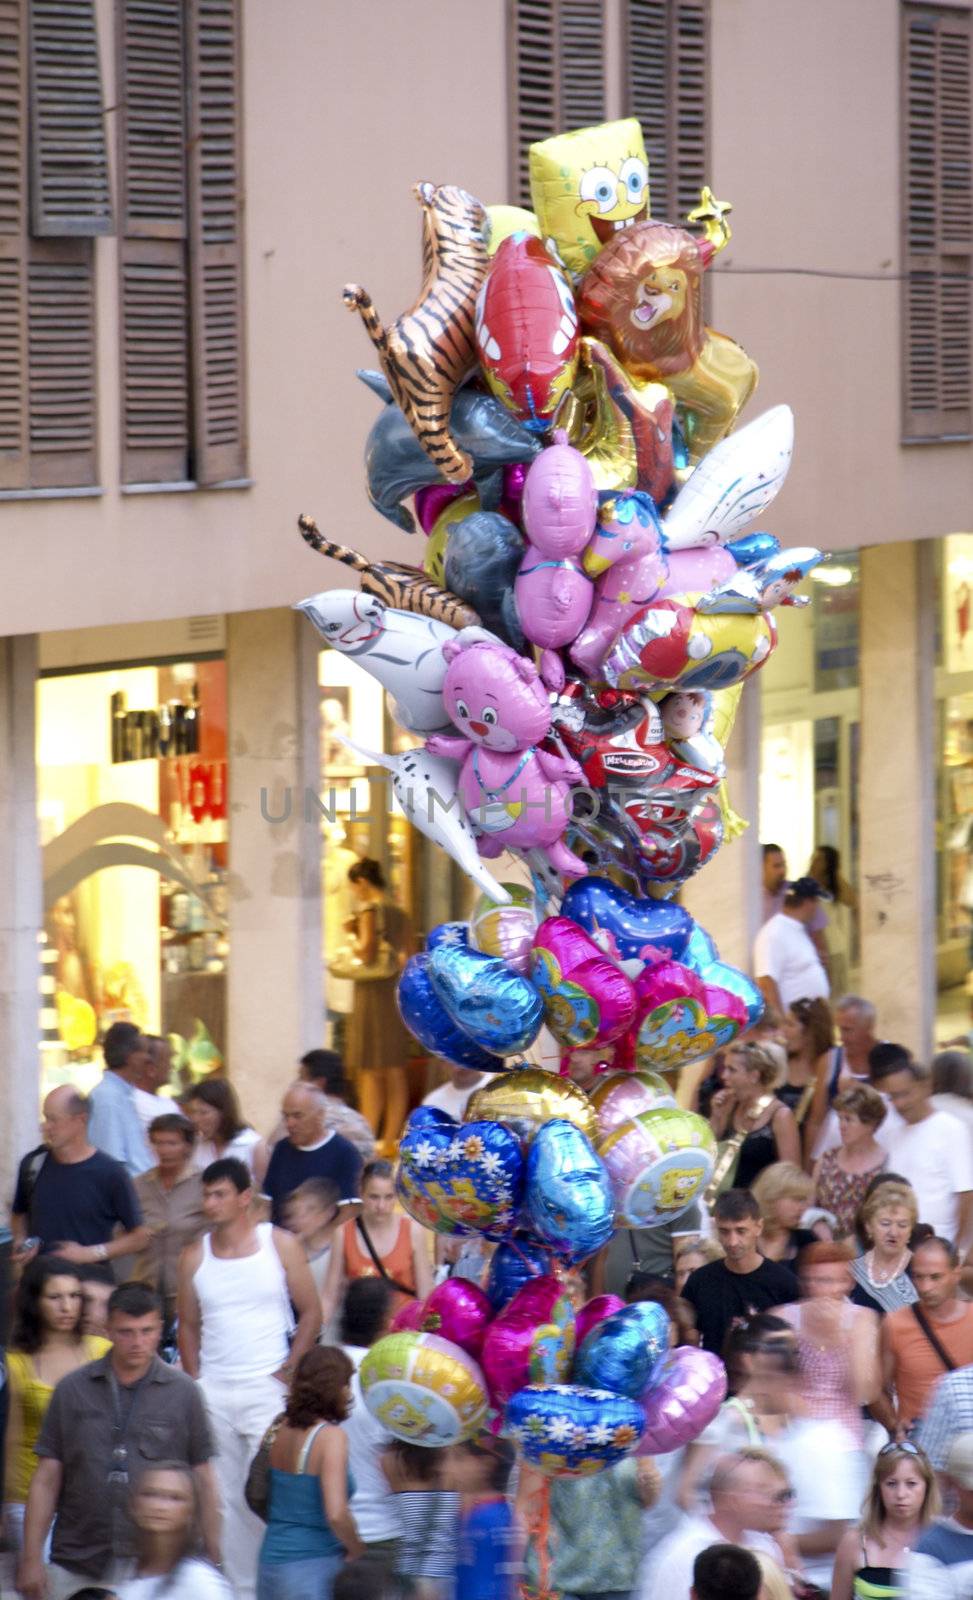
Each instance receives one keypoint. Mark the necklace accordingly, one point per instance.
(881, 1283)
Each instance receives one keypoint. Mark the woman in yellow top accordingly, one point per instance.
(46, 1344)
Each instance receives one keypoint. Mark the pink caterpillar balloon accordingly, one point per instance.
(626, 557)
(513, 792)
(552, 589)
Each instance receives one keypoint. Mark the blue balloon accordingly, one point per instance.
(632, 925)
(472, 1174)
(568, 1201)
(427, 1018)
(727, 977)
(700, 952)
(500, 1010)
(456, 933)
(431, 1117)
(570, 1432)
(515, 1263)
(625, 1351)
(753, 547)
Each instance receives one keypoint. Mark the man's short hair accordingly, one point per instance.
(726, 1572)
(77, 1105)
(323, 1192)
(886, 1059)
(736, 1205)
(855, 1002)
(366, 1309)
(134, 1300)
(771, 849)
(935, 1242)
(172, 1122)
(120, 1043)
(232, 1169)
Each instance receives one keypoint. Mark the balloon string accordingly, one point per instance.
(540, 1532)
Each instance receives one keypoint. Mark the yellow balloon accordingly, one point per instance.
(586, 183)
(434, 559)
(525, 1100)
(505, 220)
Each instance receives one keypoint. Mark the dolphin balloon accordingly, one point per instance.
(733, 483)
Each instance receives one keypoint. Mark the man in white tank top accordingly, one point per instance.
(237, 1287)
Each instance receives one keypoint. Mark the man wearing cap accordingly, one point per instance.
(786, 964)
(941, 1566)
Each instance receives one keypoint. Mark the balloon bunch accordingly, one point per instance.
(571, 653)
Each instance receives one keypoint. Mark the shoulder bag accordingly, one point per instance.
(386, 964)
(728, 1158)
(924, 1324)
(393, 1283)
(256, 1490)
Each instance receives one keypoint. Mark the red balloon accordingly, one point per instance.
(527, 329)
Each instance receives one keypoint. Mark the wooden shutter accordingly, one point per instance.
(216, 241)
(153, 205)
(62, 416)
(665, 84)
(556, 69)
(70, 195)
(938, 235)
(13, 188)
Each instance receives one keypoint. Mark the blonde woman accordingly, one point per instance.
(902, 1500)
(755, 1127)
(887, 1217)
(783, 1191)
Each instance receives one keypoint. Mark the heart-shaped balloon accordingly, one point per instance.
(425, 1016)
(506, 931)
(632, 931)
(567, 1431)
(422, 1209)
(624, 1352)
(457, 1310)
(474, 1174)
(676, 1026)
(658, 1162)
(669, 642)
(723, 976)
(499, 1010)
(688, 1390)
(531, 1341)
(431, 1117)
(528, 1098)
(516, 1261)
(595, 1311)
(624, 1094)
(588, 999)
(408, 1318)
(423, 1389)
(568, 1195)
(448, 933)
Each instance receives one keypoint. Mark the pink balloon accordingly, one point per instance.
(589, 1000)
(697, 571)
(531, 1341)
(514, 478)
(560, 504)
(625, 1095)
(408, 1318)
(434, 498)
(683, 1400)
(593, 1312)
(460, 1311)
(721, 1003)
(625, 556)
(667, 980)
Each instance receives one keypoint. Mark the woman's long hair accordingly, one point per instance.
(873, 1510)
(221, 1095)
(192, 1535)
(29, 1331)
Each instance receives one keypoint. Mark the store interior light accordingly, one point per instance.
(833, 577)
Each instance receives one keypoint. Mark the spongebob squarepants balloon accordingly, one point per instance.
(587, 185)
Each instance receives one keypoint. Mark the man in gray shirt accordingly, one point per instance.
(106, 1424)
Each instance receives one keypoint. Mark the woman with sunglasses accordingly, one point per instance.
(755, 1127)
(902, 1500)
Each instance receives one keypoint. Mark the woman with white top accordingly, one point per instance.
(165, 1511)
(214, 1110)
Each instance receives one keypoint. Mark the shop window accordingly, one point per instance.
(665, 83)
(181, 248)
(132, 792)
(557, 75)
(937, 207)
(836, 602)
(54, 200)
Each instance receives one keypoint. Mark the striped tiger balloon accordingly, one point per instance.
(404, 588)
(428, 350)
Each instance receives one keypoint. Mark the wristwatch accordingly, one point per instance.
(101, 1252)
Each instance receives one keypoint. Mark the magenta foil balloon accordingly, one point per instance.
(408, 1318)
(532, 1341)
(685, 1397)
(457, 1310)
(595, 1311)
(434, 498)
(513, 490)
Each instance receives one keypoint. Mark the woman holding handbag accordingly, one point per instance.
(380, 1243)
(376, 1043)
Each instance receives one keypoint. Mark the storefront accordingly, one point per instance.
(132, 787)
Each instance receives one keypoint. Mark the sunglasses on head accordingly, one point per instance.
(906, 1448)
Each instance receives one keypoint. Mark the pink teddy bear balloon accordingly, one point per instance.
(552, 590)
(513, 792)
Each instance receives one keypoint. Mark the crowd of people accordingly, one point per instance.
(195, 1297)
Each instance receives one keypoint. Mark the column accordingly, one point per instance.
(21, 909)
(274, 991)
(725, 895)
(897, 862)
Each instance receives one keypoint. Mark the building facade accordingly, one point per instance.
(177, 382)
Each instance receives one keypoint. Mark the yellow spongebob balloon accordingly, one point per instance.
(587, 185)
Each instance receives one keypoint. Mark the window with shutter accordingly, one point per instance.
(13, 254)
(665, 83)
(181, 252)
(70, 195)
(937, 179)
(556, 68)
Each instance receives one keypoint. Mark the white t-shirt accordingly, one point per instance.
(373, 1505)
(668, 1571)
(241, 1146)
(454, 1101)
(828, 1475)
(194, 1580)
(784, 952)
(150, 1106)
(935, 1157)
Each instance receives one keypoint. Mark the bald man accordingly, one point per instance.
(71, 1198)
(310, 1150)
